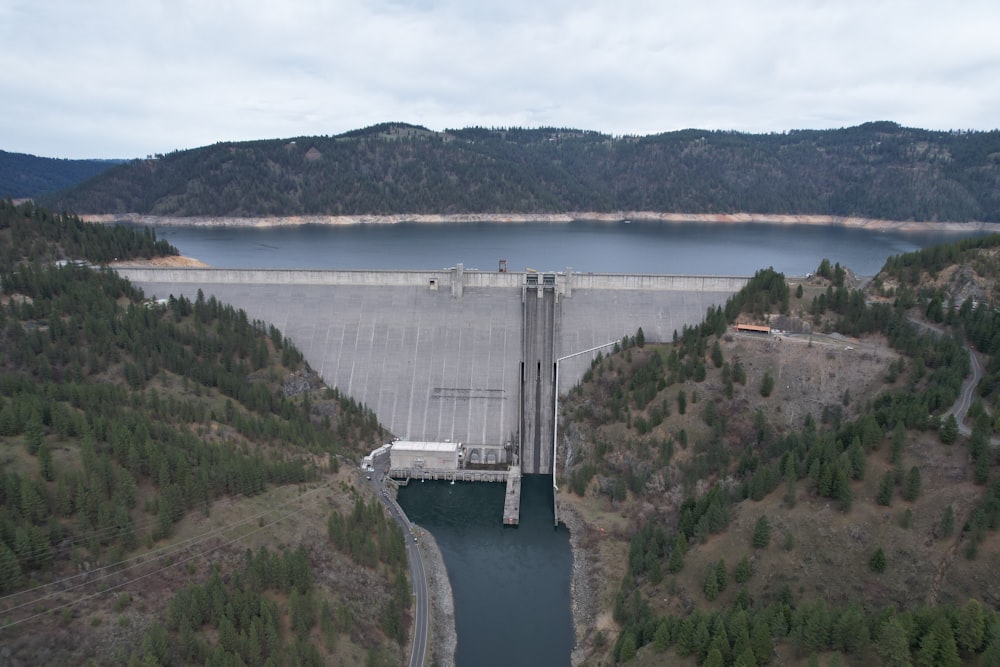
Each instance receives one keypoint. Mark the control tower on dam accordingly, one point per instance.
(465, 356)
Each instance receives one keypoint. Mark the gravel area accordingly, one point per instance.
(443, 639)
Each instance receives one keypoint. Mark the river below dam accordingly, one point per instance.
(511, 586)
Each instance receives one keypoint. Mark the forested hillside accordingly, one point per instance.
(152, 450)
(799, 498)
(24, 175)
(877, 170)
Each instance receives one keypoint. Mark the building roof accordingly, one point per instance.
(410, 446)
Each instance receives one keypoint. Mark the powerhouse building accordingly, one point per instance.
(425, 455)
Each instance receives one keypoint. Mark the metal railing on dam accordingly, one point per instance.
(404, 475)
(437, 278)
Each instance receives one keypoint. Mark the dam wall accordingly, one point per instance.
(438, 354)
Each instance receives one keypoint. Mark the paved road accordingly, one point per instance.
(964, 402)
(418, 576)
(967, 394)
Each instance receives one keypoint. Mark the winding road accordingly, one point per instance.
(414, 559)
(964, 401)
(966, 395)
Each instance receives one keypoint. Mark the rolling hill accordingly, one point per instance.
(877, 170)
(24, 176)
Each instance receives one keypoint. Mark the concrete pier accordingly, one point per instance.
(512, 501)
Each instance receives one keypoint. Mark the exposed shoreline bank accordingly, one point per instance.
(515, 218)
(443, 638)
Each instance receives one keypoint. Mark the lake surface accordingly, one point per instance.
(599, 247)
(511, 585)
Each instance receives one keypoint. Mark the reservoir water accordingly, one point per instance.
(599, 247)
(511, 586)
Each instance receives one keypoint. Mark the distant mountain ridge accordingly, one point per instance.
(23, 175)
(876, 170)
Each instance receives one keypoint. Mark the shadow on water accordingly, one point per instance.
(511, 585)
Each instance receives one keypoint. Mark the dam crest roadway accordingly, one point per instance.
(455, 355)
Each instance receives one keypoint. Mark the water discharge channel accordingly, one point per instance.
(511, 585)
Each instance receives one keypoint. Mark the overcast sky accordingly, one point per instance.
(127, 78)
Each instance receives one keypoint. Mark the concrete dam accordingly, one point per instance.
(455, 355)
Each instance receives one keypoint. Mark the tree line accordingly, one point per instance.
(878, 170)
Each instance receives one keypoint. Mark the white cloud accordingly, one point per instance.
(120, 78)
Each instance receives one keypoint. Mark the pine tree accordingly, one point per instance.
(971, 628)
(721, 575)
(45, 462)
(661, 639)
(937, 648)
(766, 385)
(894, 645)
(11, 576)
(762, 641)
(677, 554)
(711, 585)
(627, 648)
(714, 659)
(877, 562)
(745, 659)
(33, 435)
(886, 488)
(761, 533)
(949, 430)
(717, 354)
(911, 490)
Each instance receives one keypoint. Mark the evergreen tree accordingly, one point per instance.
(676, 561)
(893, 645)
(721, 575)
(714, 659)
(766, 385)
(762, 641)
(717, 354)
(33, 434)
(937, 648)
(661, 640)
(711, 584)
(742, 571)
(886, 489)
(949, 430)
(761, 533)
(45, 462)
(971, 628)
(911, 489)
(877, 562)
(627, 647)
